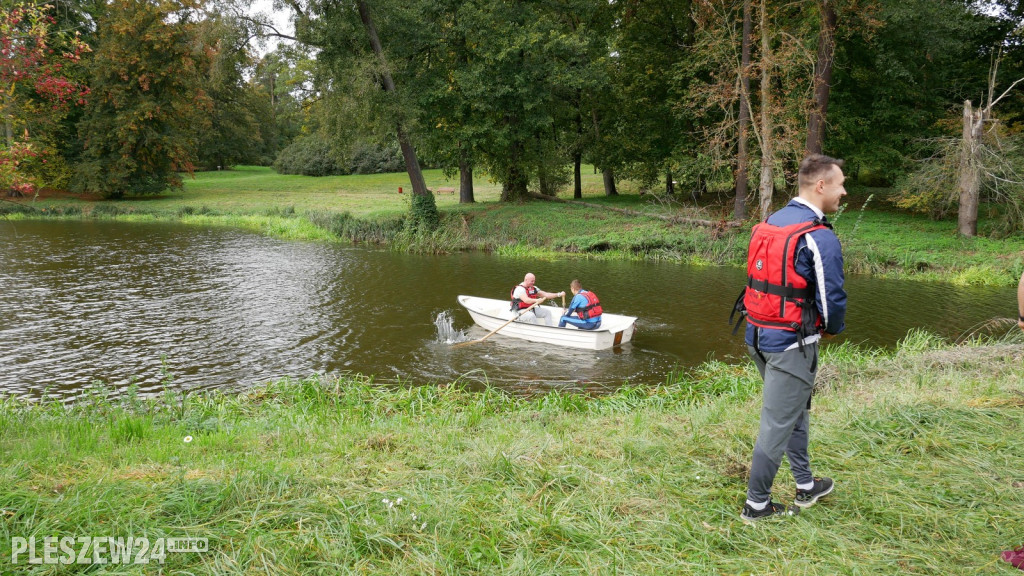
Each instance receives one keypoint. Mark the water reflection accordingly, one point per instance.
(161, 304)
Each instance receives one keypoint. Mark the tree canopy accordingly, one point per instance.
(699, 94)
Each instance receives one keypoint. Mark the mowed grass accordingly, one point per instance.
(260, 190)
(347, 477)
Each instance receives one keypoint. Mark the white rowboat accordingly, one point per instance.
(489, 314)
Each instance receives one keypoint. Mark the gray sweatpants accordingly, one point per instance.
(788, 381)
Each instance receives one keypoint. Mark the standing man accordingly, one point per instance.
(526, 294)
(794, 295)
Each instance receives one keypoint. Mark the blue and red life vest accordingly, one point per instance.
(518, 304)
(593, 307)
(776, 296)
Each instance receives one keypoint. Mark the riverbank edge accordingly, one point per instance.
(692, 245)
(355, 477)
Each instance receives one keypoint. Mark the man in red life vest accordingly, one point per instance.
(586, 306)
(794, 296)
(526, 294)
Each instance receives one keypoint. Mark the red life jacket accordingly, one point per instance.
(518, 304)
(593, 307)
(776, 296)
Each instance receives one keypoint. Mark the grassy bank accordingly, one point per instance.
(338, 477)
(877, 239)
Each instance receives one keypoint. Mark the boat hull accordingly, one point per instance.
(490, 314)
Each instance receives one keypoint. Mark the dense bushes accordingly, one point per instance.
(316, 156)
(310, 156)
(370, 158)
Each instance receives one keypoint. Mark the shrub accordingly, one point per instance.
(310, 156)
(371, 158)
(424, 213)
(347, 226)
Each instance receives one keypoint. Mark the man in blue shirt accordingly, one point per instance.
(782, 338)
(586, 306)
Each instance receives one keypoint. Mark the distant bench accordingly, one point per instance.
(444, 190)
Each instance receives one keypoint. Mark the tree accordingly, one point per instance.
(651, 133)
(140, 126)
(822, 80)
(353, 57)
(285, 79)
(743, 136)
(454, 134)
(507, 78)
(38, 87)
(900, 65)
(781, 64)
(412, 165)
(766, 135)
(971, 167)
(236, 106)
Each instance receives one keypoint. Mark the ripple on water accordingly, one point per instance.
(155, 304)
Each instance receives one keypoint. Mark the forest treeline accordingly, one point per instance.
(122, 97)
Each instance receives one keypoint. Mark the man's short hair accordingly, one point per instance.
(816, 167)
(576, 285)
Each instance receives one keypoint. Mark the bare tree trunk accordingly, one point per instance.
(513, 187)
(767, 187)
(970, 175)
(670, 185)
(577, 156)
(412, 165)
(822, 79)
(609, 175)
(609, 182)
(577, 176)
(465, 182)
(742, 153)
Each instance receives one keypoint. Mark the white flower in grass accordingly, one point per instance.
(399, 501)
(187, 439)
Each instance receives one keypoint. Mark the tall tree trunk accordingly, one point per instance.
(513, 186)
(670, 185)
(742, 153)
(412, 165)
(822, 79)
(970, 175)
(544, 182)
(767, 187)
(577, 176)
(577, 157)
(607, 173)
(609, 182)
(465, 182)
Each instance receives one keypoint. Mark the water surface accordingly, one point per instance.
(165, 304)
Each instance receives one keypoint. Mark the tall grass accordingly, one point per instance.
(329, 476)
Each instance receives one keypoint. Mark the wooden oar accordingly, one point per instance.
(493, 332)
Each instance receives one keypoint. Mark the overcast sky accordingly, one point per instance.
(281, 19)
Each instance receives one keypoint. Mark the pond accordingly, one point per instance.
(159, 304)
